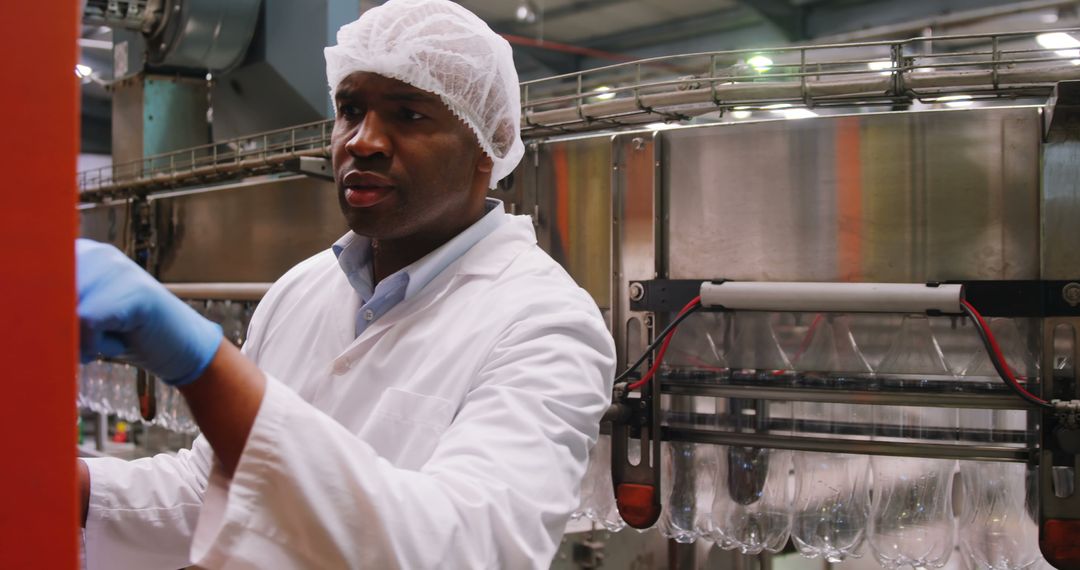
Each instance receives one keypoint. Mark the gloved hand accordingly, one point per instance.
(124, 312)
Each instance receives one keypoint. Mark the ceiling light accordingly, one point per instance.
(796, 113)
(884, 66)
(83, 71)
(525, 13)
(741, 114)
(741, 108)
(1064, 44)
(660, 126)
(604, 93)
(955, 100)
(777, 106)
(760, 62)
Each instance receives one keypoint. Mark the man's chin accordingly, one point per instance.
(370, 224)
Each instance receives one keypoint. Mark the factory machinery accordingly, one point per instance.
(849, 327)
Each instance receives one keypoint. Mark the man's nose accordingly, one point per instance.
(370, 138)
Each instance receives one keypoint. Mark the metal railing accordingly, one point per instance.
(670, 88)
(858, 74)
(241, 156)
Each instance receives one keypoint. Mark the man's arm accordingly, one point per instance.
(495, 493)
(224, 402)
(84, 490)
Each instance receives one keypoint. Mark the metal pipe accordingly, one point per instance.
(863, 447)
(219, 291)
(867, 397)
(832, 297)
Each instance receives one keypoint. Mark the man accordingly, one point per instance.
(423, 395)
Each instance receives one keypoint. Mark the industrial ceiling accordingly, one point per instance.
(552, 37)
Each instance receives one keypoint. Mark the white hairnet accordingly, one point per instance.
(442, 48)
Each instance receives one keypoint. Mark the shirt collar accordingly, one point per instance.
(354, 252)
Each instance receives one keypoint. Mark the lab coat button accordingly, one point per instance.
(369, 315)
(341, 366)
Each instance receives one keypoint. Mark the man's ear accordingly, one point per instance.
(485, 164)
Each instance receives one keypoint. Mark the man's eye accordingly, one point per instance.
(410, 115)
(348, 111)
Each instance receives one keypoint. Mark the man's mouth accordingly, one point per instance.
(364, 189)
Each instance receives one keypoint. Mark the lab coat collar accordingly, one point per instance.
(490, 256)
(495, 252)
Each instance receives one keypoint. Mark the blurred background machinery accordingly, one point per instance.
(761, 143)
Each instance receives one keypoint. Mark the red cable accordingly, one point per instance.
(998, 354)
(663, 348)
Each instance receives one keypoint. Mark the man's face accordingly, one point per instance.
(405, 166)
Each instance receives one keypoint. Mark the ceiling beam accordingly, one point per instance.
(789, 19)
(554, 63)
(678, 29)
(576, 9)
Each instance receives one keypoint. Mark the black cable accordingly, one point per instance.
(999, 366)
(656, 343)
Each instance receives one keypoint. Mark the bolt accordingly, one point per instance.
(1071, 293)
(637, 292)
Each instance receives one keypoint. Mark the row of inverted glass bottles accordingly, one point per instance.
(112, 388)
(746, 498)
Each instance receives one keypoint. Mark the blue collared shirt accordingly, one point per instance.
(353, 253)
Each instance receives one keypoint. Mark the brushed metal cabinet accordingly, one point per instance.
(890, 197)
(250, 231)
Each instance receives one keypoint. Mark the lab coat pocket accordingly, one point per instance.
(405, 427)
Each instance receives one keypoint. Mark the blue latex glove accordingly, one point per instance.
(126, 313)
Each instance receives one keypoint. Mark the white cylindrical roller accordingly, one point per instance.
(832, 297)
(219, 291)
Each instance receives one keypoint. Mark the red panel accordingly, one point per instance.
(39, 101)
(1059, 543)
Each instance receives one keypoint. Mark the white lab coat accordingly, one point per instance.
(453, 433)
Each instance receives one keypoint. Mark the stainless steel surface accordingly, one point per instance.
(875, 397)
(686, 85)
(204, 34)
(107, 222)
(573, 185)
(970, 452)
(1061, 206)
(222, 291)
(892, 197)
(252, 231)
(636, 252)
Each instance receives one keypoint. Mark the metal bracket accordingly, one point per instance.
(313, 166)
